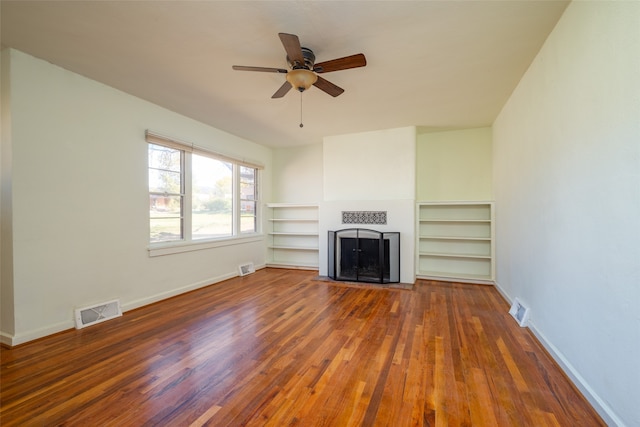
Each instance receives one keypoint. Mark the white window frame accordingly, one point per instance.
(187, 244)
(238, 203)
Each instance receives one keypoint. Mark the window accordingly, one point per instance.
(196, 195)
(166, 193)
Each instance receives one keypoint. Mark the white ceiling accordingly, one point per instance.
(432, 64)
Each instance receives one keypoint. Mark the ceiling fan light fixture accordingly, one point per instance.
(301, 79)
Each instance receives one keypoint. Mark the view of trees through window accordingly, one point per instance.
(212, 198)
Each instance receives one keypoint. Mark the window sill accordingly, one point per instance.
(180, 247)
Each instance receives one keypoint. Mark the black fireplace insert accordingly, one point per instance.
(362, 255)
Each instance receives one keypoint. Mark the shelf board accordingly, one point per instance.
(294, 248)
(291, 205)
(295, 265)
(292, 233)
(470, 278)
(488, 221)
(454, 203)
(483, 239)
(293, 220)
(451, 255)
(454, 275)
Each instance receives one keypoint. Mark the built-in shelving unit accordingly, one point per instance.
(455, 241)
(293, 235)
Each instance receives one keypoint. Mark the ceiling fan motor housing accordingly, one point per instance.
(309, 60)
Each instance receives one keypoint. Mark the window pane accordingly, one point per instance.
(164, 181)
(212, 198)
(165, 229)
(247, 216)
(247, 183)
(161, 206)
(164, 158)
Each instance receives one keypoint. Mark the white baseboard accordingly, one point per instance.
(6, 339)
(604, 410)
(131, 305)
(13, 340)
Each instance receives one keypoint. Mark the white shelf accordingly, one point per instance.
(453, 255)
(295, 248)
(455, 241)
(487, 239)
(455, 220)
(293, 220)
(293, 235)
(471, 278)
(296, 265)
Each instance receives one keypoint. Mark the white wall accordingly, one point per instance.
(6, 216)
(567, 190)
(80, 199)
(377, 165)
(371, 171)
(297, 174)
(454, 165)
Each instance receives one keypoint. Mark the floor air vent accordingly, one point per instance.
(247, 268)
(519, 312)
(97, 313)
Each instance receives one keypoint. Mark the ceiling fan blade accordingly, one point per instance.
(286, 87)
(291, 45)
(263, 69)
(328, 87)
(353, 61)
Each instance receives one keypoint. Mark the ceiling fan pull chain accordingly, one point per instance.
(301, 125)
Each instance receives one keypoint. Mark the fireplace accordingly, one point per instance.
(362, 255)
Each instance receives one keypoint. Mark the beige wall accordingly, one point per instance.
(454, 165)
(377, 165)
(297, 174)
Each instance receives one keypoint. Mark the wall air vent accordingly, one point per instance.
(88, 316)
(247, 268)
(519, 312)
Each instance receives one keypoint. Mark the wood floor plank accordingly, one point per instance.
(282, 348)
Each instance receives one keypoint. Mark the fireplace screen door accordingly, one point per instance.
(361, 255)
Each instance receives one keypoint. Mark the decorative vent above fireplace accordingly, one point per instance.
(364, 217)
(361, 255)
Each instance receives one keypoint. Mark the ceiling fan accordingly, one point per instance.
(304, 71)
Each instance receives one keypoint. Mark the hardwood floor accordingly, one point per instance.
(279, 348)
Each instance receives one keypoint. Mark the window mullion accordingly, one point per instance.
(257, 206)
(187, 196)
(236, 199)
